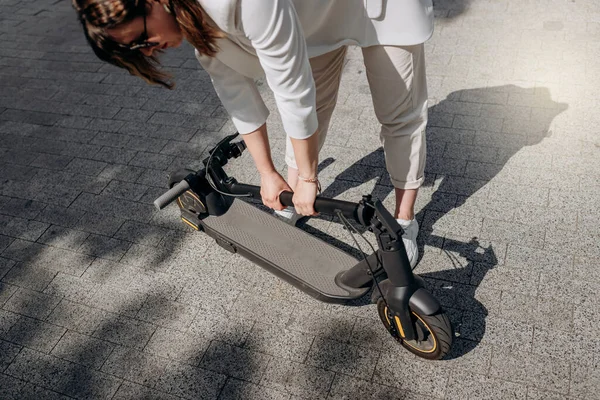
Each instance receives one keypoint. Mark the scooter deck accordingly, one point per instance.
(286, 251)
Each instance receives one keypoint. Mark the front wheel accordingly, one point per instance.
(434, 332)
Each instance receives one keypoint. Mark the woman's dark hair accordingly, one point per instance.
(98, 15)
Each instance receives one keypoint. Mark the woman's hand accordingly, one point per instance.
(304, 197)
(271, 186)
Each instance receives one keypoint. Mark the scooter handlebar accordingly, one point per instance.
(172, 194)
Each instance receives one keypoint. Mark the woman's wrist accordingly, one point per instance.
(267, 171)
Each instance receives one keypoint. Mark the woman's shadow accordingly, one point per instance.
(471, 135)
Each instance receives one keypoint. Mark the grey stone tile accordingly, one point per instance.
(110, 273)
(31, 303)
(237, 390)
(63, 237)
(578, 347)
(110, 139)
(219, 326)
(27, 209)
(130, 390)
(22, 228)
(586, 318)
(110, 206)
(167, 313)
(519, 256)
(151, 258)
(543, 312)
(117, 300)
(85, 167)
(368, 334)
(58, 215)
(154, 177)
(191, 382)
(104, 247)
(342, 358)
(584, 380)
(473, 386)
(82, 349)
(146, 144)
(8, 352)
(72, 288)
(537, 394)
(133, 115)
(579, 243)
(279, 342)
(34, 334)
(584, 269)
(523, 194)
(60, 195)
(151, 160)
(50, 161)
(314, 320)
(5, 241)
(529, 236)
(472, 153)
(6, 291)
(5, 265)
(62, 376)
(113, 155)
(235, 361)
(454, 223)
(304, 381)
(7, 320)
(573, 290)
(16, 389)
(125, 332)
(351, 388)
(184, 347)
(78, 317)
(96, 223)
(125, 190)
(135, 366)
(434, 376)
(522, 367)
(145, 234)
(469, 356)
(126, 173)
(207, 296)
(38, 257)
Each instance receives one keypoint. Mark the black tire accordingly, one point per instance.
(435, 333)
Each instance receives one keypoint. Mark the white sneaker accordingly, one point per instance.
(411, 230)
(288, 215)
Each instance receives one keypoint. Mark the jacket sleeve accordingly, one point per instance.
(274, 30)
(238, 94)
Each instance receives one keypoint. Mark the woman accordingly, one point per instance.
(299, 46)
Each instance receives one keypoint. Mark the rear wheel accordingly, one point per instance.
(434, 332)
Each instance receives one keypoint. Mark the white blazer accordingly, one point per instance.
(275, 39)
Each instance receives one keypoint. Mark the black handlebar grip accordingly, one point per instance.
(171, 194)
(285, 198)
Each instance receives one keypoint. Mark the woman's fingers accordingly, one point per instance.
(271, 186)
(304, 198)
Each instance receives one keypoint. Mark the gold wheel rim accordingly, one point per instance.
(399, 326)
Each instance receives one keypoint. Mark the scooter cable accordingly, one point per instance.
(351, 228)
(209, 178)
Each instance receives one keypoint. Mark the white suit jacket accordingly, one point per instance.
(275, 39)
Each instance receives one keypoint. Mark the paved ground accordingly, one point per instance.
(102, 297)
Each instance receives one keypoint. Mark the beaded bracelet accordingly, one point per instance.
(312, 180)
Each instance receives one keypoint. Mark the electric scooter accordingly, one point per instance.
(211, 201)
